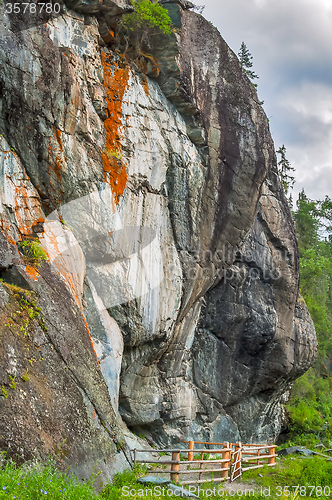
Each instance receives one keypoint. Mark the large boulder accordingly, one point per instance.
(169, 297)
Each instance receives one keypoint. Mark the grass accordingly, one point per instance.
(310, 408)
(292, 478)
(301, 477)
(33, 481)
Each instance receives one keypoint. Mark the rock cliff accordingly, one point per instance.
(169, 301)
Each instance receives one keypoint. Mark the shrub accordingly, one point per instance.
(141, 26)
(310, 409)
(33, 252)
(305, 418)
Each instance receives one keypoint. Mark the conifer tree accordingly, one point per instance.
(245, 59)
(307, 222)
(284, 169)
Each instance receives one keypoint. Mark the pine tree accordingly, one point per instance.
(245, 59)
(284, 169)
(307, 222)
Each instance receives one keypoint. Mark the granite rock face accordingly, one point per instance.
(169, 296)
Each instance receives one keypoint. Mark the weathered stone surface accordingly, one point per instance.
(169, 241)
(181, 491)
(107, 341)
(251, 342)
(65, 397)
(4, 297)
(62, 401)
(105, 7)
(185, 4)
(153, 480)
(292, 450)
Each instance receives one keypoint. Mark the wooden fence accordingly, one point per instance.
(227, 464)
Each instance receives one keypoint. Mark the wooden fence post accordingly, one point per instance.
(201, 466)
(238, 453)
(225, 455)
(271, 460)
(175, 467)
(191, 454)
(258, 454)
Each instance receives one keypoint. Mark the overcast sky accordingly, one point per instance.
(291, 42)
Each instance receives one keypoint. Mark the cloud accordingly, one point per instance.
(291, 44)
(310, 101)
(307, 111)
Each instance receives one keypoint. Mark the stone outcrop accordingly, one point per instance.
(169, 299)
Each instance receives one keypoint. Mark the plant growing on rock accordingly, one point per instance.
(33, 252)
(139, 28)
(113, 154)
(4, 392)
(245, 59)
(12, 380)
(285, 169)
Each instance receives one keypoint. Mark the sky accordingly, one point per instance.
(291, 45)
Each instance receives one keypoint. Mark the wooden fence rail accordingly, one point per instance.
(229, 466)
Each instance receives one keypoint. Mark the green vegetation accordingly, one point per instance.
(140, 27)
(310, 407)
(285, 169)
(33, 252)
(112, 154)
(24, 311)
(295, 478)
(19, 319)
(4, 392)
(35, 481)
(245, 59)
(126, 478)
(13, 383)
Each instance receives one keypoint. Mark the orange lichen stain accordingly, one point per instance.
(145, 85)
(27, 209)
(116, 83)
(148, 64)
(7, 229)
(57, 159)
(110, 37)
(32, 272)
(55, 150)
(115, 174)
(24, 202)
